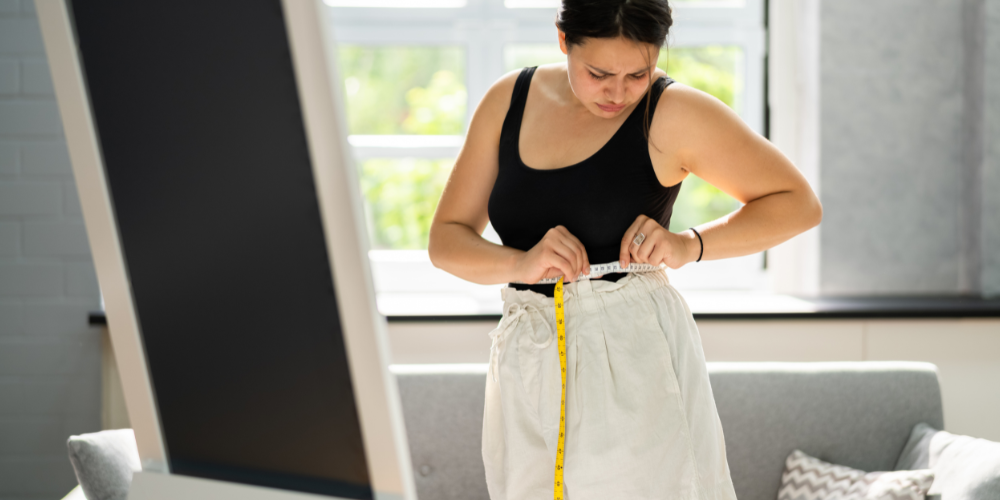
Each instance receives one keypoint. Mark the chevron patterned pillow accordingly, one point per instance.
(809, 478)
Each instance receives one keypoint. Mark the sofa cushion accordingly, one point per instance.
(809, 478)
(857, 414)
(104, 462)
(966, 468)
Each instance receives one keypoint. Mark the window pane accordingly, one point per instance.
(404, 90)
(520, 55)
(531, 4)
(409, 4)
(713, 3)
(715, 70)
(699, 202)
(401, 195)
(528, 4)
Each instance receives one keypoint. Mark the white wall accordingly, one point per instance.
(966, 351)
(49, 356)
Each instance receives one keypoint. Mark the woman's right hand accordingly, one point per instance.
(559, 253)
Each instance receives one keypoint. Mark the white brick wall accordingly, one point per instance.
(49, 357)
(8, 157)
(9, 77)
(35, 78)
(45, 158)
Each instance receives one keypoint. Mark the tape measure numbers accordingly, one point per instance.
(606, 268)
(561, 330)
(595, 269)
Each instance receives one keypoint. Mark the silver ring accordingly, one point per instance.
(639, 238)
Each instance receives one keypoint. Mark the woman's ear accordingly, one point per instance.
(562, 42)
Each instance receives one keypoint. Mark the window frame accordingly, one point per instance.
(483, 28)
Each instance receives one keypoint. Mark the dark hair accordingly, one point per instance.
(643, 21)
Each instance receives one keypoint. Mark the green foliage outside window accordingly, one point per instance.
(401, 195)
(404, 90)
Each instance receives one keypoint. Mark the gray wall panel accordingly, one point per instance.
(991, 169)
(892, 115)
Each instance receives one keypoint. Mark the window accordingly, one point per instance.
(412, 72)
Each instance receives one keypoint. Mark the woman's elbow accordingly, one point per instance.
(433, 252)
(438, 243)
(814, 211)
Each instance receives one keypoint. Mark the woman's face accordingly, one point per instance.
(609, 74)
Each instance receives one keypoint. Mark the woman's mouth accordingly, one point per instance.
(609, 108)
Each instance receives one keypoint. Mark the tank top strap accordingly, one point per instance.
(659, 86)
(512, 122)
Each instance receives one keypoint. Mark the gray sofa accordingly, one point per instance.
(858, 414)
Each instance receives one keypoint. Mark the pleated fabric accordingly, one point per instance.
(641, 421)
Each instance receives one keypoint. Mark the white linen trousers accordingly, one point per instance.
(641, 421)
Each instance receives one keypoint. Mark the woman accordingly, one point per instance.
(572, 162)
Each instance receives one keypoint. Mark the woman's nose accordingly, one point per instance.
(616, 93)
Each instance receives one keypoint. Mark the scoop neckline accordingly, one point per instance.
(517, 141)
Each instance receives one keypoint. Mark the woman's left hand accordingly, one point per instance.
(658, 246)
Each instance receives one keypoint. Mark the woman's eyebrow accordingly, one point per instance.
(595, 68)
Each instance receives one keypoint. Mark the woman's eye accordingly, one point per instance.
(596, 77)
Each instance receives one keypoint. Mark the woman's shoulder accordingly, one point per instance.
(689, 121)
(503, 88)
(691, 108)
(487, 119)
(498, 97)
(657, 73)
(496, 101)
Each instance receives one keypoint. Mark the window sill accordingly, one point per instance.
(741, 305)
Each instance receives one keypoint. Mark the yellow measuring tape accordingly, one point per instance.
(561, 329)
(595, 269)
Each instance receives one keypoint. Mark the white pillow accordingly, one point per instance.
(104, 462)
(965, 468)
(809, 478)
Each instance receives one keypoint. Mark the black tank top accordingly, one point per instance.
(596, 199)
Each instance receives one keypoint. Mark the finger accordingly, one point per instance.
(634, 254)
(636, 248)
(568, 254)
(640, 253)
(572, 253)
(558, 244)
(552, 272)
(624, 255)
(584, 261)
(563, 265)
(659, 252)
(633, 251)
(643, 251)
